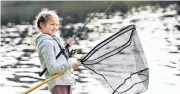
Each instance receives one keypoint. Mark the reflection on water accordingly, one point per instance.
(159, 33)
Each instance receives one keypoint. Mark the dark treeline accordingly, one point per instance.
(71, 11)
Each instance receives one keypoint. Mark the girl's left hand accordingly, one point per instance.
(71, 41)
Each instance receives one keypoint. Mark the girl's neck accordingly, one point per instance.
(46, 33)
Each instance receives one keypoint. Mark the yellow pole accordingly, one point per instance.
(47, 80)
(41, 83)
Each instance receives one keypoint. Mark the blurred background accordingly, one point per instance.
(157, 23)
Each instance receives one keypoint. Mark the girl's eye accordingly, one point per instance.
(55, 24)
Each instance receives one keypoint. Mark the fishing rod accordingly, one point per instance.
(58, 74)
(74, 36)
(93, 17)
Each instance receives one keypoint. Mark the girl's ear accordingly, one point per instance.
(41, 25)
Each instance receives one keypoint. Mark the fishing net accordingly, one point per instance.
(119, 63)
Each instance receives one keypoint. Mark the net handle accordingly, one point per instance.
(47, 80)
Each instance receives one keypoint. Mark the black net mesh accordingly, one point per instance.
(119, 63)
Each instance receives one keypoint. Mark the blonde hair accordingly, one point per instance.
(42, 17)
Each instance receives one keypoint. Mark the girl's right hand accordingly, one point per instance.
(74, 62)
(71, 41)
(77, 64)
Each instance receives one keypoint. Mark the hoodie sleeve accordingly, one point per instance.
(47, 51)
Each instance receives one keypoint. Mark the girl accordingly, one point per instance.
(48, 45)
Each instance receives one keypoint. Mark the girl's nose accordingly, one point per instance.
(56, 27)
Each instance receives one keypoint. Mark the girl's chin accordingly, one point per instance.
(53, 33)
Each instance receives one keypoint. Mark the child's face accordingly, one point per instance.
(51, 26)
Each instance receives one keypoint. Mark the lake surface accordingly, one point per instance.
(159, 32)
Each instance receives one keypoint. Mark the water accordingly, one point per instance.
(159, 34)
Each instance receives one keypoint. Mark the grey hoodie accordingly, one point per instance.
(48, 49)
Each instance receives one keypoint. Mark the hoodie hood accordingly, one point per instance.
(40, 38)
